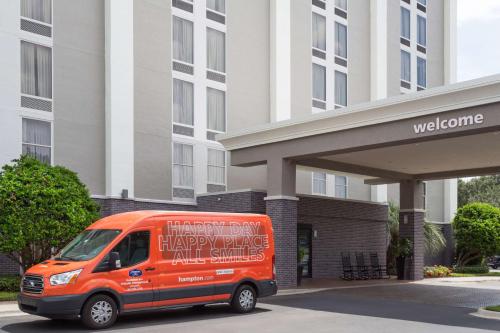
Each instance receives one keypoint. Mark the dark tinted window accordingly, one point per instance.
(133, 249)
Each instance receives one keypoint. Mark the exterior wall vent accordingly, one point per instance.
(180, 67)
(36, 28)
(184, 5)
(183, 130)
(36, 103)
(319, 104)
(183, 193)
(216, 76)
(216, 17)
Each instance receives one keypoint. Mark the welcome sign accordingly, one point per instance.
(448, 123)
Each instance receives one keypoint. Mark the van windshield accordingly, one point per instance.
(87, 245)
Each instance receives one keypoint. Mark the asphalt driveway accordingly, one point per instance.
(383, 308)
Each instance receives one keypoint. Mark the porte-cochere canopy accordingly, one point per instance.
(446, 132)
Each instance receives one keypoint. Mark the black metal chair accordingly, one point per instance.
(361, 268)
(347, 269)
(378, 271)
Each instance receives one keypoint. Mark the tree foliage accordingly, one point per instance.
(483, 189)
(434, 240)
(42, 208)
(477, 232)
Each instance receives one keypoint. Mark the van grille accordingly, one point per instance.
(32, 284)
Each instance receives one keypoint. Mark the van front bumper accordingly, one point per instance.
(60, 307)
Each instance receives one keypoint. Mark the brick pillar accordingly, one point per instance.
(283, 213)
(281, 206)
(411, 225)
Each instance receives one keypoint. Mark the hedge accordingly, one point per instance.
(471, 269)
(10, 283)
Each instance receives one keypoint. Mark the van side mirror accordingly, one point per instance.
(114, 261)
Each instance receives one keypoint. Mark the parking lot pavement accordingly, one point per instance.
(396, 308)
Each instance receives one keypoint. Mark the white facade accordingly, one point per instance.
(12, 100)
(268, 77)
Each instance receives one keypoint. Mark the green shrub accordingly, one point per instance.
(10, 283)
(436, 271)
(477, 232)
(471, 269)
(42, 208)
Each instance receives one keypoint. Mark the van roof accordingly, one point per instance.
(129, 219)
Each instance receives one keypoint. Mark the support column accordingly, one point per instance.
(281, 206)
(280, 62)
(411, 225)
(119, 98)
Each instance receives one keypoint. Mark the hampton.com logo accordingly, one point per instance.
(448, 123)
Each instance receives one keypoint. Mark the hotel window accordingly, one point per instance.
(421, 72)
(319, 32)
(183, 166)
(216, 167)
(37, 139)
(183, 102)
(216, 49)
(217, 5)
(319, 183)
(405, 66)
(405, 23)
(340, 40)
(38, 10)
(319, 82)
(341, 187)
(182, 40)
(36, 70)
(340, 89)
(421, 31)
(422, 2)
(216, 110)
(342, 4)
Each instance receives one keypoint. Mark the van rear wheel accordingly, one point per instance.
(99, 312)
(244, 299)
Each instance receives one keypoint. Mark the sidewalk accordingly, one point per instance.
(479, 282)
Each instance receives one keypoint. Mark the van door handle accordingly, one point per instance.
(149, 269)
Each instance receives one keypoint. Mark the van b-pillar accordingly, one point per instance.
(411, 225)
(281, 206)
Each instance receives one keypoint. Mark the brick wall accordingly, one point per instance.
(342, 226)
(235, 202)
(115, 206)
(8, 266)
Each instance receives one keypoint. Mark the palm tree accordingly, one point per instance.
(434, 239)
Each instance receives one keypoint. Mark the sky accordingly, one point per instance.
(478, 38)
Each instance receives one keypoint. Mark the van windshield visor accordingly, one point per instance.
(87, 245)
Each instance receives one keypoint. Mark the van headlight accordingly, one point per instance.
(64, 278)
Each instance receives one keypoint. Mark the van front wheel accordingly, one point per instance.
(244, 299)
(99, 312)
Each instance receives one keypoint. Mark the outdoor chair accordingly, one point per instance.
(347, 269)
(361, 268)
(378, 271)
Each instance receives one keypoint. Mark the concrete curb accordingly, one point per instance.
(483, 313)
(286, 292)
(10, 309)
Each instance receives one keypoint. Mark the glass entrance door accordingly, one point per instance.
(304, 249)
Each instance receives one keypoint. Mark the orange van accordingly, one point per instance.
(150, 260)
